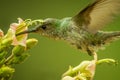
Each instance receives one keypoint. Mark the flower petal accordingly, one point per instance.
(1, 33)
(91, 67)
(16, 28)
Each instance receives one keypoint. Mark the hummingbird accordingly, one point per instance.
(84, 29)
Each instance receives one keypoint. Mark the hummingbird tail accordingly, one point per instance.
(110, 36)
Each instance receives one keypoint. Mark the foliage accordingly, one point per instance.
(13, 48)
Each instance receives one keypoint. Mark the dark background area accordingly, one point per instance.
(50, 58)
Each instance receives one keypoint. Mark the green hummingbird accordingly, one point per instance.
(82, 30)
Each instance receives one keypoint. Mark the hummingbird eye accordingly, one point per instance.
(43, 27)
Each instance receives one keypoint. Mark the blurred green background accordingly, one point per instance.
(50, 59)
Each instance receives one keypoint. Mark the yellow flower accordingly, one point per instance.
(16, 28)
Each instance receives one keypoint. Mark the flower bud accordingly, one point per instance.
(18, 50)
(7, 41)
(5, 44)
(2, 61)
(68, 78)
(31, 42)
(1, 34)
(6, 71)
(80, 68)
(19, 59)
(108, 61)
(3, 54)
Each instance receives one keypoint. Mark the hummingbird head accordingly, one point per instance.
(47, 28)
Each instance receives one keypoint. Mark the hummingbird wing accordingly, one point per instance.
(96, 15)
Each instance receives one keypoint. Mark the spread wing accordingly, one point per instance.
(97, 14)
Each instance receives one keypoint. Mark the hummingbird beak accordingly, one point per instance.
(33, 30)
(27, 31)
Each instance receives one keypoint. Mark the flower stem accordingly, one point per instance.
(95, 56)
